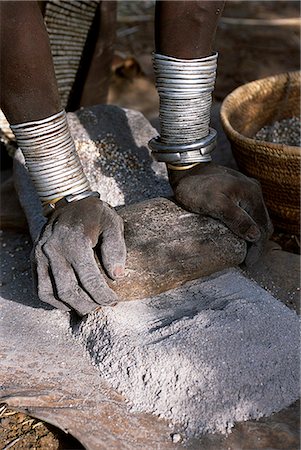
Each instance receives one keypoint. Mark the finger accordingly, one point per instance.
(235, 218)
(92, 280)
(42, 282)
(255, 205)
(261, 216)
(113, 249)
(66, 284)
(256, 249)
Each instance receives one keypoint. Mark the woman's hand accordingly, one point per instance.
(229, 196)
(66, 273)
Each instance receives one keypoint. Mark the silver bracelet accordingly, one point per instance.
(51, 158)
(50, 207)
(185, 89)
(198, 151)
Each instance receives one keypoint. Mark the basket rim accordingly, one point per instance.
(226, 106)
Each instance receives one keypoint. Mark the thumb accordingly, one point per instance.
(113, 249)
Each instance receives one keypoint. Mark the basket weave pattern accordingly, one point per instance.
(244, 112)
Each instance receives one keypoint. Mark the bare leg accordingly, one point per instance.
(28, 85)
(186, 29)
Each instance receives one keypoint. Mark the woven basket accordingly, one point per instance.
(244, 112)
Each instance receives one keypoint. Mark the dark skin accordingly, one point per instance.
(28, 85)
(210, 189)
(184, 29)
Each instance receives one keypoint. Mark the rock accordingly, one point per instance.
(45, 373)
(279, 272)
(167, 246)
(112, 145)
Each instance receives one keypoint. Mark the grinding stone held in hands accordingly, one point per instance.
(167, 246)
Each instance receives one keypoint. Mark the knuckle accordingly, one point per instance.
(92, 282)
(255, 181)
(256, 186)
(51, 245)
(67, 292)
(89, 279)
(37, 247)
(36, 255)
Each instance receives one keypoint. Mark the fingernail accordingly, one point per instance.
(253, 233)
(118, 272)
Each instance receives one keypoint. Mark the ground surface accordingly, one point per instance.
(19, 431)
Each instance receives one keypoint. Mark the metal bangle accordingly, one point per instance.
(182, 158)
(212, 57)
(50, 207)
(72, 190)
(37, 122)
(157, 146)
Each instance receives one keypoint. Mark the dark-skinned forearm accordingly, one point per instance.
(28, 85)
(186, 29)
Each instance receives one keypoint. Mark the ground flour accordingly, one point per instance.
(202, 356)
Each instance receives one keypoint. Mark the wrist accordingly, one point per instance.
(182, 171)
(64, 201)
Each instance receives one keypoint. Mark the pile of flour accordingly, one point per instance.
(202, 356)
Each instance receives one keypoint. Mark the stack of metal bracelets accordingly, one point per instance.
(185, 88)
(51, 158)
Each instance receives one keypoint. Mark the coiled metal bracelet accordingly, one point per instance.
(185, 88)
(51, 157)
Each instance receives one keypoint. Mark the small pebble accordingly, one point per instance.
(286, 131)
(176, 438)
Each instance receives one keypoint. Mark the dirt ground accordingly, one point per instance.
(247, 52)
(19, 431)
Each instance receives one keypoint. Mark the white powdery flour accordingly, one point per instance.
(202, 356)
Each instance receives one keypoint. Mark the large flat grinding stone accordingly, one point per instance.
(201, 356)
(112, 145)
(45, 373)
